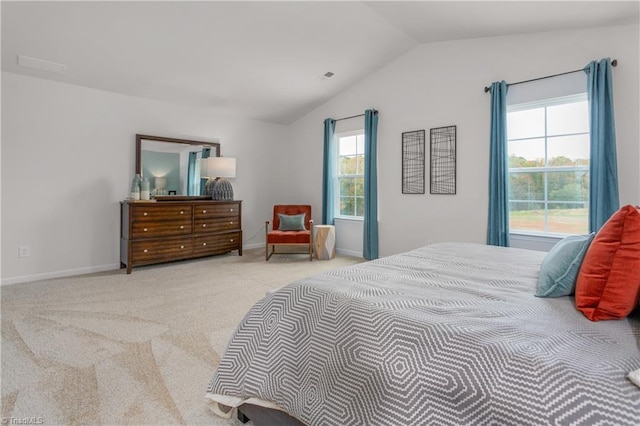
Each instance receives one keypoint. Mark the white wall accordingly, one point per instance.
(68, 152)
(441, 84)
(68, 157)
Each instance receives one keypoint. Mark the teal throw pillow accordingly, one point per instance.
(561, 265)
(293, 222)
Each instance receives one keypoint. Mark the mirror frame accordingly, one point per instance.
(140, 138)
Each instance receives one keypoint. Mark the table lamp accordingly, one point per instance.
(222, 168)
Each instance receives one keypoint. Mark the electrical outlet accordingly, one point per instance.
(24, 251)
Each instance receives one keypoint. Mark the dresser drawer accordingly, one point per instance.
(205, 226)
(205, 211)
(153, 213)
(217, 243)
(146, 229)
(166, 249)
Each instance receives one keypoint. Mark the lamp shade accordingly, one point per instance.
(204, 168)
(222, 167)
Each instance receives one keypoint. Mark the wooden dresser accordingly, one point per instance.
(163, 231)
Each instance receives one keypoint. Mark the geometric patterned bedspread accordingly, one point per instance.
(450, 333)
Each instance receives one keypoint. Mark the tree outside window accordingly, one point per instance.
(350, 176)
(548, 145)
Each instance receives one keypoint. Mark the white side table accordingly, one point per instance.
(324, 241)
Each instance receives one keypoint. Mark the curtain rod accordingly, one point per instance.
(488, 89)
(346, 118)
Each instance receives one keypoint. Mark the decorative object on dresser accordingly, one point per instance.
(135, 187)
(165, 231)
(222, 168)
(207, 178)
(145, 192)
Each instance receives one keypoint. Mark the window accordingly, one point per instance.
(350, 175)
(548, 148)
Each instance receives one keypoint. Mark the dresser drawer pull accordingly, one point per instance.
(145, 250)
(231, 240)
(145, 229)
(181, 247)
(230, 210)
(230, 223)
(204, 225)
(181, 211)
(181, 226)
(204, 244)
(145, 214)
(204, 211)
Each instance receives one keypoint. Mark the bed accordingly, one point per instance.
(449, 333)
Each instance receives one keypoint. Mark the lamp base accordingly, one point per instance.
(222, 190)
(208, 188)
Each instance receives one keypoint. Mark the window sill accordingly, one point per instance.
(530, 241)
(534, 234)
(349, 218)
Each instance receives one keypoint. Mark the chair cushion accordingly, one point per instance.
(609, 280)
(293, 222)
(289, 237)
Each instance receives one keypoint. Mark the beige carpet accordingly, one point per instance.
(112, 348)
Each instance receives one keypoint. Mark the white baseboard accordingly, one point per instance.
(58, 274)
(339, 251)
(92, 269)
(252, 246)
(349, 252)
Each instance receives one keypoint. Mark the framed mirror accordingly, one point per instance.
(174, 167)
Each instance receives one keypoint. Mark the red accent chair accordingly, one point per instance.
(303, 237)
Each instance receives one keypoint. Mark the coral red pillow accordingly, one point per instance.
(608, 284)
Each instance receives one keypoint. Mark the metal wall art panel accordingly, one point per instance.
(413, 159)
(443, 160)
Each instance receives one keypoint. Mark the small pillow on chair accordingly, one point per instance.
(291, 222)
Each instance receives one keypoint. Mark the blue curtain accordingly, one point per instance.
(603, 168)
(370, 243)
(191, 173)
(328, 173)
(498, 226)
(206, 152)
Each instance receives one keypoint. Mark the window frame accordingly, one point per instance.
(545, 103)
(336, 182)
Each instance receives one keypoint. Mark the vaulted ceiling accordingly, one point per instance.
(264, 60)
